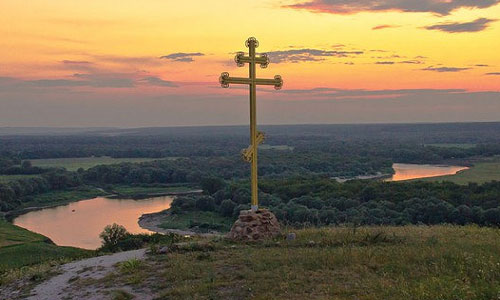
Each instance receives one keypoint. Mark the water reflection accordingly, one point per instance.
(412, 171)
(78, 224)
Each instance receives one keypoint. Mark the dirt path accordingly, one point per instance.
(60, 286)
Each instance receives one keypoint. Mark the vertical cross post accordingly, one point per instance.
(256, 137)
(253, 123)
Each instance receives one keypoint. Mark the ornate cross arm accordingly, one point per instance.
(247, 153)
(241, 59)
(225, 80)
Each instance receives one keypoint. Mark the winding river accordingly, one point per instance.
(413, 171)
(78, 224)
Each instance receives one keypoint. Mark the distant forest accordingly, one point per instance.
(193, 155)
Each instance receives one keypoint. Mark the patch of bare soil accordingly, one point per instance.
(69, 284)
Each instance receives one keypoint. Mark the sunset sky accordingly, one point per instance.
(156, 62)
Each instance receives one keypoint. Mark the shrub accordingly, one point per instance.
(111, 235)
(227, 207)
(212, 184)
(184, 203)
(205, 203)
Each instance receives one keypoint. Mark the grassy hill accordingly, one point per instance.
(412, 262)
(20, 247)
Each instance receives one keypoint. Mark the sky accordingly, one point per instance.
(157, 62)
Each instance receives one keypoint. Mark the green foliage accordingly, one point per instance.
(20, 247)
(121, 295)
(226, 208)
(128, 241)
(410, 262)
(75, 163)
(322, 201)
(198, 221)
(205, 203)
(130, 266)
(480, 172)
(211, 159)
(111, 235)
(212, 184)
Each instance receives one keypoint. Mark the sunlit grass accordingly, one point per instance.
(412, 262)
(481, 172)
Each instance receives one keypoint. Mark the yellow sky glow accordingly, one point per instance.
(124, 39)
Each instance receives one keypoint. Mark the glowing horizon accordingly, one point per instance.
(61, 54)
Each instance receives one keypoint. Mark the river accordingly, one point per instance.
(413, 171)
(78, 224)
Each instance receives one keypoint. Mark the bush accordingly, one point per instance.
(184, 203)
(205, 203)
(226, 208)
(111, 236)
(212, 184)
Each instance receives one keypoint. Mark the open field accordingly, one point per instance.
(412, 262)
(479, 173)
(124, 191)
(20, 247)
(73, 164)
(460, 146)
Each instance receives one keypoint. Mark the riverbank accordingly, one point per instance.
(20, 247)
(58, 198)
(363, 177)
(183, 224)
(138, 193)
(480, 171)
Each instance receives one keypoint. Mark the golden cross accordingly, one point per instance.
(256, 137)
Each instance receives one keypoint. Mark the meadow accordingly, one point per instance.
(73, 164)
(412, 262)
(20, 247)
(480, 172)
(125, 191)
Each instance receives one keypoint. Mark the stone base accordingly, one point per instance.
(255, 226)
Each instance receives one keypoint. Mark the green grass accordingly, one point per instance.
(8, 178)
(20, 247)
(14, 235)
(61, 197)
(460, 146)
(479, 173)
(199, 221)
(136, 191)
(413, 262)
(73, 164)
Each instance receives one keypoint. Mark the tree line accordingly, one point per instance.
(318, 201)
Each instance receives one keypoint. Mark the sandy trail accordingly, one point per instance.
(59, 286)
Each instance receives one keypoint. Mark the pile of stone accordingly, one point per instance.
(255, 226)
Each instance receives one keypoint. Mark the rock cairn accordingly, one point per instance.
(255, 226)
